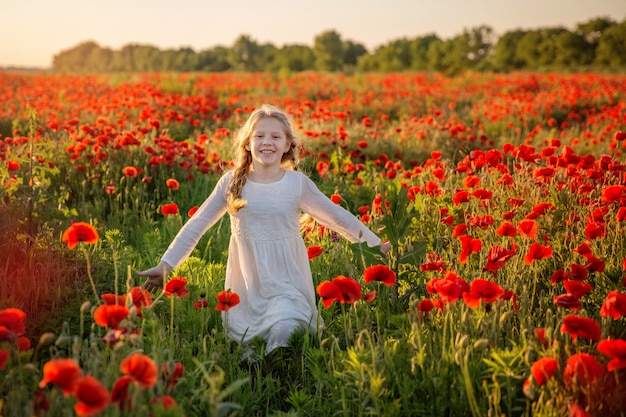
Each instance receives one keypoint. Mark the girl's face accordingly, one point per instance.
(268, 143)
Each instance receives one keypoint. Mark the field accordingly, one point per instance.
(504, 197)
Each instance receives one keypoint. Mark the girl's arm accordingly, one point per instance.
(335, 217)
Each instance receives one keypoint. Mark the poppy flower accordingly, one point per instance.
(4, 358)
(578, 326)
(80, 232)
(112, 299)
(192, 211)
(595, 230)
(169, 209)
(176, 286)
(314, 251)
(370, 296)
(469, 245)
(12, 166)
(506, 229)
(543, 369)
(379, 273)
(616, 349)
(140, 298)
(614, 305)
(459, 230)
(350, 290)
(537, 251)
(227, 300)
(619, 135)
(498, 256)
(130, 171)
(425, 305)
(201, 304)
(568, 301)
(461, 196)
(335, 198)
(91, 397)
(23, 344)
(119, 393)
(449, 288)
(170, 374)
(64, 373)
(576, 288)
(613, 193)
(172, 184)
(509, 295)
(110, 315)
(13, 319)
(328, 292)
(582, 369)
(470, 181)
(528, 228)
(140, 368)
(481, 290)
(165, 401)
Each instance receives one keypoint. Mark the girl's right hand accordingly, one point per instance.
(156, 276)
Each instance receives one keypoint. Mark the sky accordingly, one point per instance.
(33, 31)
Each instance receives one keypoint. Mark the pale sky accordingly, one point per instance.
(33, 31)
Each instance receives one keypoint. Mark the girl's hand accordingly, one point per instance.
(385, 247)
(156, 276)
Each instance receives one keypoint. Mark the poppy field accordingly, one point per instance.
(503, 195)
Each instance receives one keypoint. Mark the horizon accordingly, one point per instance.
(55, 27)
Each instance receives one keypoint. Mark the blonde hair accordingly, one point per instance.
(243, 157)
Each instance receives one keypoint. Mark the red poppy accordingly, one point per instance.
(62, 372)
(4, 358)
(614, 305)
(578, 326)
(459, 230)
(141, 368)
(192, 211)
(328, 292)
(13, 319)
(540, 333)
(130, 171)
(169, 209)
(595, 264)
(12, 166)
(80, 232)
(482, 222)
(449, 288)
(576, 288)
(201, 304)
(379, 273)
(461, 196)
(140, 298)
(528, 228)
(537, 251)
(91, 397)
(509, 295)
(172, 184)
(595, 230)
(335, 198)
(227, 300)
(111, 299)
(176, 286)
(425, 305)
(314, 251)
(543, 369)
(616, 349)
(440, 174)
(23, 344)
(110, 315)
(469, 245)
(582, 369)
(471, 181)
(166, 401)
(362, 144)
(370, 296)
(613, 193)
(481, 290)
(171, 374)
(568, 301)
(507, 229)
(350, 290)
(119, 393)
(497, 257)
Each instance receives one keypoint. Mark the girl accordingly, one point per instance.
(267, 262)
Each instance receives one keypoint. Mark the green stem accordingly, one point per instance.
(93, 284)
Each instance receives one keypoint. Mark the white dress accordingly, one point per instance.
(267, 262)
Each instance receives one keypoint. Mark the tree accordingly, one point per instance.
(295, 58)
(611, 48)
(572, 49)
(328, 50)
(243, 55)
(418, 50)
(75, 59)
(505, 56)
(352, 52)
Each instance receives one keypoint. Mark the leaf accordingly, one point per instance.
(369, 256)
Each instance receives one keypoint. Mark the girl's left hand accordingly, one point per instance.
(385, 247)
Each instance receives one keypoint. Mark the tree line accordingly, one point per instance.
(597, 43)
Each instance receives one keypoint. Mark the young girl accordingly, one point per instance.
(267, 262)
